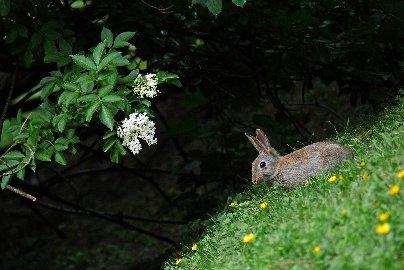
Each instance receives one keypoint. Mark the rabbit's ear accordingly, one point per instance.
(257, 144)
(263, 139)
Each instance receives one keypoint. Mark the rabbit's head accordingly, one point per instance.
(264, 166)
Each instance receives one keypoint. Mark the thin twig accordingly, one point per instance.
(21, 193)
(162, 10)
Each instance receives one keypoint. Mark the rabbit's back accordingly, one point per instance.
(296, 167)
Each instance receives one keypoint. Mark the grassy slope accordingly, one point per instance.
(297, 221)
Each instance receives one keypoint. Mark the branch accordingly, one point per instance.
(89, 212)
(35, 209)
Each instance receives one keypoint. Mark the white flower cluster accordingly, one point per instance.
(136, 126)
(146, 86)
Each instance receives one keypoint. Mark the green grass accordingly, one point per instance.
(295, 222)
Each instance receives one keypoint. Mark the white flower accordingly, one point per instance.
(146, 86)
(137, 126)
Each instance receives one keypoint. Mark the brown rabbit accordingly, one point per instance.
(295, 168)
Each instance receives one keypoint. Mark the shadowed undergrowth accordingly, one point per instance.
(324, 225)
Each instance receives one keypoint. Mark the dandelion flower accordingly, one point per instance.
(343, 212)
(365, 176)
(233, 204)
(178, 261)
(382, 228)
(316, 250)
(194, 247)
(363, 163)
(248, 238)
(340, 177)
(332, 179)
(264, 205)
(400, 174)
(136, 126)
(394, 190)
(383, 217)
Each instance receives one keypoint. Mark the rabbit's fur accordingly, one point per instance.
(295, 168)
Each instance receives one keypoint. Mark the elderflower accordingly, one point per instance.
(136, 126)
(146, 86)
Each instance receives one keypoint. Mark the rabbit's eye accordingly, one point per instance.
(263, 164)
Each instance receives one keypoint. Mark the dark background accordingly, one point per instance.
(299, 70)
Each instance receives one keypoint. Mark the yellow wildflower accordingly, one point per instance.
(194, 247)
(264, 205)
(394, 190)
(365, 176)
(343, 212)
(382, 228)
(248, 238)
(233, 204)
(363, 163)
(178, 261)
(340, 177)
(332, 179)
(383, 217)
(316, 250)
(400, 174)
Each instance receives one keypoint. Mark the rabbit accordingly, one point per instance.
(295, 168)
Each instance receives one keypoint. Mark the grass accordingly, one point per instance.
(322, 225)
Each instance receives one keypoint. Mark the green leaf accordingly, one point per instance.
(114, 157)
(108, 134)
(14, 155)
(72, 96)
(107, 36)
(4, 7)
(88, 98)
(21, 174)
(83, 62)
(53, 57)
(106, 117)
(5, 180)
(121, 39)
(239, 3)
(62, 124)
(43, 154)
(65, 47)
(109, 144)
(61, 144)
(120, 147)
(91, 110)
(105, 90)
(119, 62)
(47, 90)
(107, 59)
(112, 98)
(59, 158)
(71, 86)
(214, 6)
(98, 52)
(36, 39)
